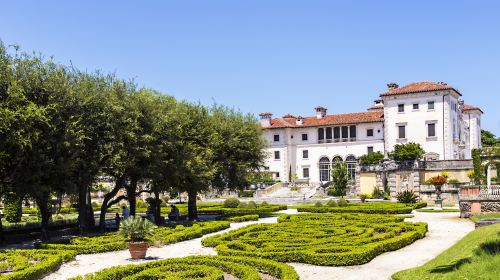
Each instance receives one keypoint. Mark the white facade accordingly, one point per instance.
(436, 119)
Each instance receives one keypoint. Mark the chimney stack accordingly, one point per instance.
(392, 86)
(265, 119)
(299, 120)
(320, 112)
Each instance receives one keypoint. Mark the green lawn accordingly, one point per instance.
(476, 256)
(477, 218)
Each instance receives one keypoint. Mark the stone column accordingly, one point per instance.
(488, 176)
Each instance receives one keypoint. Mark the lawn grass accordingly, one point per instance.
(477, 218)
(476, 256)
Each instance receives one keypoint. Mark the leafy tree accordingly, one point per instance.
(409, 151)
(371, 158)
(488, 139)
(340, 178)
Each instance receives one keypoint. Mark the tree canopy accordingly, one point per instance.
(488, 139)
(61, 128)
(408, 151)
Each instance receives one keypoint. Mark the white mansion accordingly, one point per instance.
(429, 113)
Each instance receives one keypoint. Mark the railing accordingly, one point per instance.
(337, 140)
(493, 191)
(482, 192)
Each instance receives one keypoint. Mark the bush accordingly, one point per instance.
(31, 264)
(455, 181)
(231, 202)
(246, 193)
(342, 202)
(243, 205)
(376, 193)
(244, 218)
(252, 204)
(338, 239)
(318, 204)
(371, 158)
(114, 241)
(367, 208)
(332, 203)
(364, 196)
(264, 203)
(206, 267)
(387, 196)
(295, 188)
(409, 151)
(13, 207)
(406, 196)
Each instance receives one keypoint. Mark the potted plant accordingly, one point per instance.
(137, 229)
(438, 182)
(364, 196)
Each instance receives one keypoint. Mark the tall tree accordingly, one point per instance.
(340, 178)
(488, 139)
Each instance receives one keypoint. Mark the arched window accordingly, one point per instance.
(351, 163)
(336, 159)
(324, 169)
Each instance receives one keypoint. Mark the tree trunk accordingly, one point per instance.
(105, 203)
(131, 193)
(90, 211)
(2, 238)
(192, 211)
(43, 204)
(157, 212)
(83, 221)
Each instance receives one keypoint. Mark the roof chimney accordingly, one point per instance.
(320, 112)
(392, 86)
(377, 105)
(299, 120)
(265, 119)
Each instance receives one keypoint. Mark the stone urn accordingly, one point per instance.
(438, 183)
(138, 250)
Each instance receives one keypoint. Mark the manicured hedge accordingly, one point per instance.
(367, 208)
(216, 209)
(244, 218)
(31, 264)
(203, 267)
(114, 241)
(320, 239)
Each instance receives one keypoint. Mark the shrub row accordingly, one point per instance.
(367, 208)
(244, 218)
(113, 241)
(320, 239)
(31, 264)
(205, 267)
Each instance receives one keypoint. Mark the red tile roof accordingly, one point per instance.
(340, 119)
(471, 108)
(419, 87)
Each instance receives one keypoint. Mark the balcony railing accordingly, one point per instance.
(337, 140)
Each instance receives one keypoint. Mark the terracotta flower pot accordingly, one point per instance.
(138, 249)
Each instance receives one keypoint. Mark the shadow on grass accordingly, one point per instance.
(490, 248)
(451, 267)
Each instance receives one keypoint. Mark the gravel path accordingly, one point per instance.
(88, 263)
(445, 229)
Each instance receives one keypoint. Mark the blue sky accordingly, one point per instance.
(277, 56)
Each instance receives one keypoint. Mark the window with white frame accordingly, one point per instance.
(304, 136)
(401, 108)
(324, 169)
(276, 154)
(305, 153)
(276, 137)
(370, 149)
(431, 129)
(430, 105)
(351, 167)
(369, 132)
(415, 106)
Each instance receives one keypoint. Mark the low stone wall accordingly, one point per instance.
(474, 206)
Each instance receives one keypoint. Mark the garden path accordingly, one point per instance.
(89, 263)
(445, 229)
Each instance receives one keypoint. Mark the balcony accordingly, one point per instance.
(337, 140)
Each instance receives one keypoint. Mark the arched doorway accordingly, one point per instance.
(324, 169)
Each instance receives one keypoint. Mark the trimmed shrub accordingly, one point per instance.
(406, 196)
(31, 264)
(231, 202)
(206, 267)
(332, 203)
(264, 203)
(244, 218)
(243, 205)
(252, 204)
(114, 241)
(318, 204)
(319, 239)
(367, 208)
(13, 207)
(342, 202)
